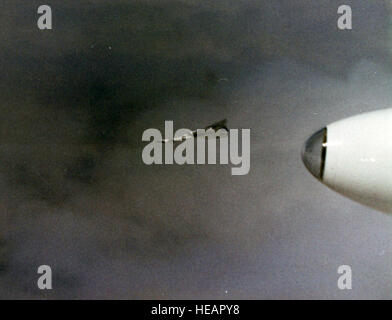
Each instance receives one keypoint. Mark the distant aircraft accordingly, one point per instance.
(353, 156)
(215, 126)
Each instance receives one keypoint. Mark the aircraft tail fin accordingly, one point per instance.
(218, 125)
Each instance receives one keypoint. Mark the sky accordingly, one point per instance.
(75, 194)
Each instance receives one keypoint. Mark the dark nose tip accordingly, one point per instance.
(314, 152)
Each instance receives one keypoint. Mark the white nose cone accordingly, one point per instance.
(354, 157)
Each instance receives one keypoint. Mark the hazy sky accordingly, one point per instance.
(75, 195)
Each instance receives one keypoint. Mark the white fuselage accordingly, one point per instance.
(358, 158)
